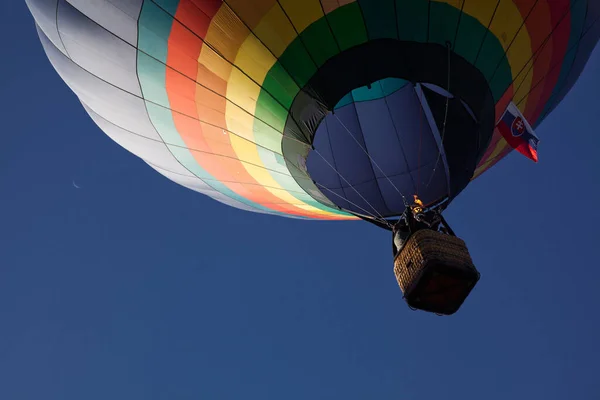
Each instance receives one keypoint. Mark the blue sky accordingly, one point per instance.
(132, 287)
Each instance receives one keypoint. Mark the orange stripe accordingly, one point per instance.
(332, 5)
(251, 12)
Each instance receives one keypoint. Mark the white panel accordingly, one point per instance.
(117, 16)
(97, 50)
(190, 182)
(151, 151)
(44, 13)
(113, 104)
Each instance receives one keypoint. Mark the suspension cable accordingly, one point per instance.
(445, 120)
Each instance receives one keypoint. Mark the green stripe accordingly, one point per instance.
(348, 26)
(169, 6)
(412, 20)
(380, 18)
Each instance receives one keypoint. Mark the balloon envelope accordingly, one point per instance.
(311, 108)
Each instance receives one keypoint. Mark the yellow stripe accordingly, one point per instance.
(256, 61)
(263, 176)
(275, 31)
(302, 13)
(500, 146)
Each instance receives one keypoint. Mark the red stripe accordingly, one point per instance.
(556, 47)
(560, 43)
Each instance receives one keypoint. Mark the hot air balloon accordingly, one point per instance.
(383, 110)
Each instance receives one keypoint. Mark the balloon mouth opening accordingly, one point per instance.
(332, 161)
(378, 148)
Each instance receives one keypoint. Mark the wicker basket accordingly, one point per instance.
(435, 272)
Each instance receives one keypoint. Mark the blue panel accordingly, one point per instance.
(385, 150)
(367, 196)
(417, 139)
(349, 157)
(322, 172)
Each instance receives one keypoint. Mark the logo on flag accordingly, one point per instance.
(518, 127)
(518, 133)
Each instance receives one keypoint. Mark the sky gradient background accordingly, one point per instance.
(133, 287)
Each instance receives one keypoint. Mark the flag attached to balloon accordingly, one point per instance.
(518, 133)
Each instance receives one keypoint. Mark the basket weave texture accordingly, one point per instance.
(432, 259)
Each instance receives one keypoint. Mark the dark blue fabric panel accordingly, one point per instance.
(317, 166)
(417, 139)
(350, 159)
(381, 140)
(395, 201)
(372, 195)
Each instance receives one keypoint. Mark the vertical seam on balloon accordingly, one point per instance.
(400, 141)
(462, 7)
(260, 40)
(333, 158)
(58, 32)
(558, 88)
(560, 48)
(298, 34)
(428, 20)
(396, 19)
(329, 26)
(366, 149)
(505, 57)
(364, 20)
(486, 33)
(557, 92)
